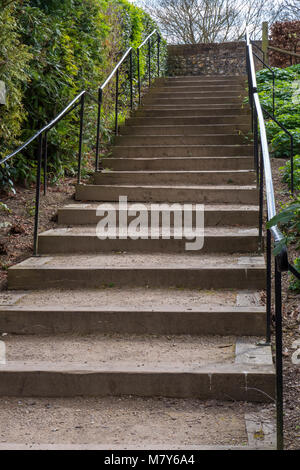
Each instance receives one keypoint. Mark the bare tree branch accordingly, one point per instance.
(204, 21)
(289, 10)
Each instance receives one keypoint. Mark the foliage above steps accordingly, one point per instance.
(287, 112)
(49, 51)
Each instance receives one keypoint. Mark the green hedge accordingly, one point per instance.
(14, 57)
(56, 49)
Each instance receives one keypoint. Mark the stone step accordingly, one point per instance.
(186, 140)
(195, 194)
(186, 130)
(134, 423)
(221, 215)
(134, 311)
(192, 111)
(178, 164)
(211, 79)
(199, 121)
(236, 177)
(200, 88)
(231, 100)
(144, 366)
(191, 270)
(151, 240)
(182, 151)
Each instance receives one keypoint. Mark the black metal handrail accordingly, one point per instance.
(42, 136)
(79, 100)
(273, 116)
(262, 160)
(259, 48)
(291, 147)
(148, 41)
(273, 77)
(72, 105)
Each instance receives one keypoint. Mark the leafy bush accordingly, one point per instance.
(289, 221)
(287, 173)
(286, 107)
(281, 143)
(14, 57)
(295, 282)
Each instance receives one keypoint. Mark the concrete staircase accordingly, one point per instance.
(146, 318)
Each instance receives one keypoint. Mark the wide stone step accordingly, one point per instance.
(186, 130)
(187, 140)
(111, 423)
(218, 111)
(231, 100)
(182, 151)
(97, 365)
(191, 270)
(211, 79)
(178, 164)
(151, 240)
(134, 311)
(200, 88)
(165, 93)
(196, 121)
(220, 215)
(194, 194)
(236, 177)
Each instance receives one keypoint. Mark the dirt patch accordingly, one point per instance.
(17, 223)
(291, 329)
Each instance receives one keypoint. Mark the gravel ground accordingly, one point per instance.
(124, 421)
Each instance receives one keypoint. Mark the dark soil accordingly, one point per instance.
(16, 239)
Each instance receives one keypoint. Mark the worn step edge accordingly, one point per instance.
(178, 164)
(26, 277)
(184, 130)
(145, 140)
(203, 320)
(96, 447)
(86, 214)
(57, 243)
(238, 177)
(234, 382)
(195, 194)
(182, 151)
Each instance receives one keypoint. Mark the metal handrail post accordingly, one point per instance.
(117, 104)
(139, 74)
(100, 98)
(37, 195)
(80, 138)
(131, 81)
(45, 161)
(149, 61)
(279, 362)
